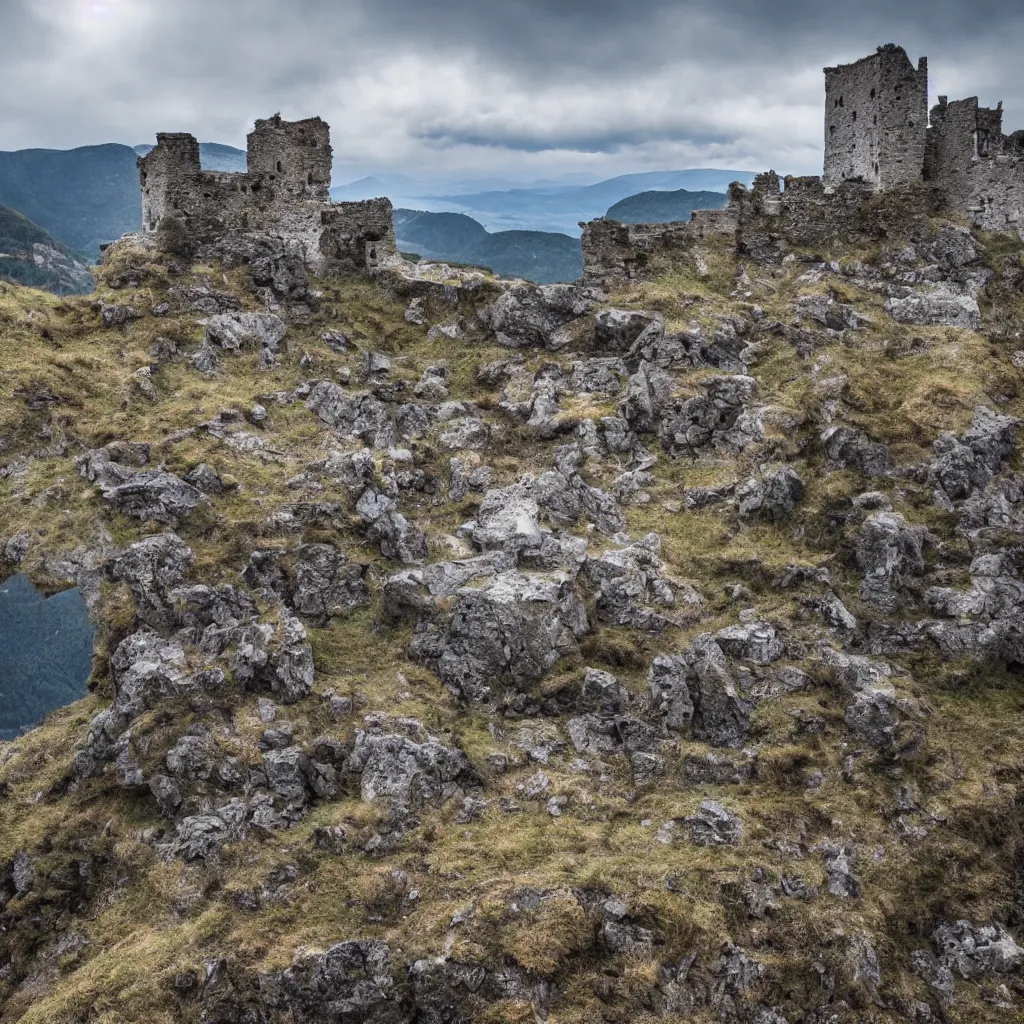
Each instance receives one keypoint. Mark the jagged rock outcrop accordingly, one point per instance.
(508, 634)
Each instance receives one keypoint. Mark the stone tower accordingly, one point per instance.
(876, 119)
(295, 154)
(172, 163)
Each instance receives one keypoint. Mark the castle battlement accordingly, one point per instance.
(282, 199)
(885, 161)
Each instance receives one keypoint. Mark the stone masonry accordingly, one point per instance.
(876, 114)
(885, 163)
(282, 201)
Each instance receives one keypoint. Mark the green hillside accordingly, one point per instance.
(541, 256)
(663, 207)
(83, 197)
(32, 257)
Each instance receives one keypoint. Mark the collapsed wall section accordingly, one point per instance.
(979, 170)
(357, 237)
(282, 200)
(612, 250)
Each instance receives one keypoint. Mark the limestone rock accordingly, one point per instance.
(528, 316)
(508, 634)
(713, 825)
(618, 330)
(234, 332)
(938, 305)
(888, 555)
(327, 583)
(394, 767)
(773, 497)
(718, 418)
(695, 688)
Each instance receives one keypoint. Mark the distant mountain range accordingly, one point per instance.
(663, 207)
(541, 256)
(33, 257)
(213, 156)
(82, 197)
(87, 196)
(557, 208)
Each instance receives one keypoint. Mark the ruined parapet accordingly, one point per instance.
(281, 202)
(978, 170)
(617, 251)
(357, 237)
(876, 120)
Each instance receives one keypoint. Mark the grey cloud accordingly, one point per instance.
(525, 87)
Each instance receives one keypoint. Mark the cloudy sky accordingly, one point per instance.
(520, 89)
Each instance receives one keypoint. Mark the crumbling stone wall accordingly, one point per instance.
(356, 236)
(625, 251)
(282, 200)
(979, 170)
(885, 167)
(876, 119)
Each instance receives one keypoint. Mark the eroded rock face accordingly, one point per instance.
(361, 416)
(713, 825)
(142, 494)
(694, 691)
(773, 497)
(395, 767)
(889, 555)
(528, 316)
(327, 583)
(847, 448)
(963, 465)
(234, 332)
(720, 418)
(970, 951)
(938, 305)
(618, 330)
(506, 635)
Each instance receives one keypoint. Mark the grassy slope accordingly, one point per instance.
(145, 919)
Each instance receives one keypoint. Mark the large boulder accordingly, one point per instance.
(507, 634)
(531, 316)
(142, 494)
(720, 418)
(410, 771)
(774, 496)
(618, 330)
(936, 305)
(152, 567)
(846, 448)
(888, 554)
(234, 332)
(361, 416)
(965, 464)
(327, 583)
(695, 691)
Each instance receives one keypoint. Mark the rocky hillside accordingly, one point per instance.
(32, 257)
(473, 652)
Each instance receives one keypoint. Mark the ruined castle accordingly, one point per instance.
(281, 201)
(886, 161)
